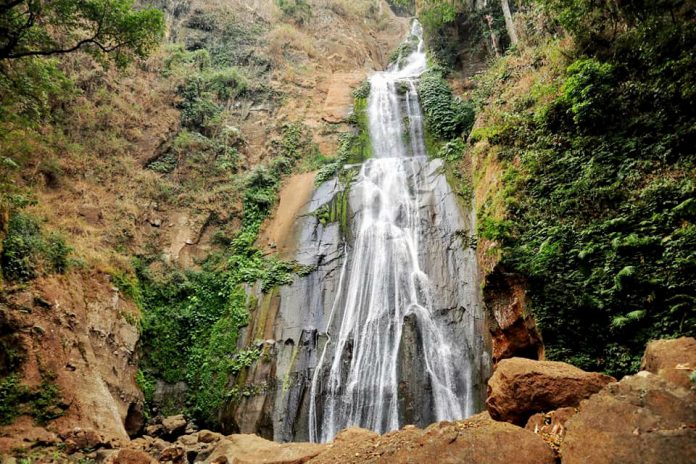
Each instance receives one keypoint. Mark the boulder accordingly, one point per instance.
(174, 426)
(673, 360)
(512, 327)
(552, 422)
(83, 440)
(551, 426)
(154, 430)
(522, 387)
(175, 454)
(206, 436)
(248, 449)
(641, 419)
(187, 440)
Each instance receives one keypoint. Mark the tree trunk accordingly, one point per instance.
(509, 25)
(494, 37)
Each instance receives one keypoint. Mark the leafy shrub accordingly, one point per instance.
(299, 11)
(26, 252)
(446, 117)
(452, 150)
(21, 248)
(56, 252)
(404, 49)
(363, 90)
(12, 395)
(587, 92)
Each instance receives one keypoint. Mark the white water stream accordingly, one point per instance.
(356, 381)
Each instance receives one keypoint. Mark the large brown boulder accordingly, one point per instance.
(522, 387)
(642, 419)
(252, 449)
(673, 360)
(174, 426)
(479, 440)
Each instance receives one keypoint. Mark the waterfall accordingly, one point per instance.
(389, 335)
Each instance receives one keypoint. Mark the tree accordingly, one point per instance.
(509, 24)
(101, 27)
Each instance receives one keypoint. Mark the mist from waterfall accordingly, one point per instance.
(357, 378)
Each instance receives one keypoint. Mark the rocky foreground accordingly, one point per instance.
(538, 412)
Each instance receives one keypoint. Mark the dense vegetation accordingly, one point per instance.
(34, 89)
(597, 205)
(446, 116)
(192, 318)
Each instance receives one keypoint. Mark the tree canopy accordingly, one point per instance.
(100, 27)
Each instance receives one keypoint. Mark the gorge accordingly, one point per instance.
(348, 231)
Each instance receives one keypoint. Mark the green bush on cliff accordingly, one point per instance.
(599, 184)
(27, 251)
(298, 11)
(446, 116)
(43, 403)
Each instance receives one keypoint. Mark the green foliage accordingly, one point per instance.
(204, 94)
(446, 117)
(45, 402)
(404, 49)
(587, 91)
(298, 11)
(452, 150)
(128, 285)
(191, 319)
(26, 251)
(403, 7)
(146, 385)
(12, 395)
(42, 403)
(363, 90)
(353, 147)
(338, 209)
(218, 151)
(436, 14)
(599, 216)
(31, 88)
(112, 28)
(457, 30)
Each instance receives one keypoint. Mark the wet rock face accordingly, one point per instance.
(521, 387)
(643, 419)
(673, 360)
(299, 323)
(306, 307)
(415, 390)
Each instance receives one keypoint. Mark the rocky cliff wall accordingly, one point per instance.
(76, 333)
(292, 324)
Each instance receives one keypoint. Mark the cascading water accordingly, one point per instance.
(389, 335)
